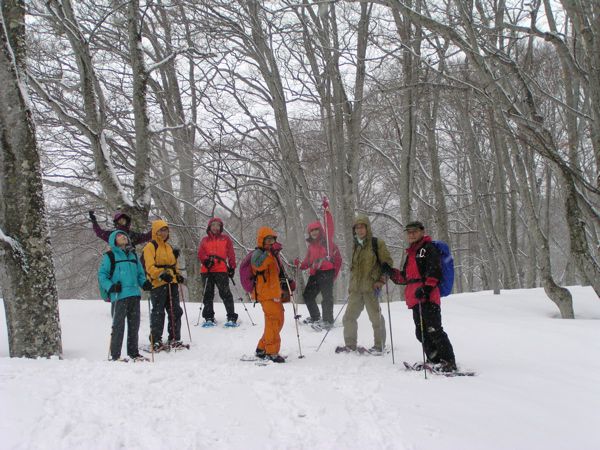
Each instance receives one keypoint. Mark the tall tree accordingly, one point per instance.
(27, 276)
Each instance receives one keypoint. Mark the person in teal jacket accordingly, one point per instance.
(124, 292)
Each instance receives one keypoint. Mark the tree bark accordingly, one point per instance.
(27, 275)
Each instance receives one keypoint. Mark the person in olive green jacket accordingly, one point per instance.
(367, 276)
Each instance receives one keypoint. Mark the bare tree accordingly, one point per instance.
(28, 282)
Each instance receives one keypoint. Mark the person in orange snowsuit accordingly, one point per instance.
(266, 270)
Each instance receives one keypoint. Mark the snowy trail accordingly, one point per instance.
(537, 385)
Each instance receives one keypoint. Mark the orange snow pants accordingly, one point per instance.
(270, 341)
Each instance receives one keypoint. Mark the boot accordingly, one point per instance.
(275, 358)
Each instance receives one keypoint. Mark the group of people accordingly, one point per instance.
(370, 269)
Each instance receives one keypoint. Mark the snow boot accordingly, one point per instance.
(275, 358)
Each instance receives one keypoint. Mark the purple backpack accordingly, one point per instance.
(247, 278)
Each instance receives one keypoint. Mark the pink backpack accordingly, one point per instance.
(247, 278)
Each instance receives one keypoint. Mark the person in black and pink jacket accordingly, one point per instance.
(421, 274)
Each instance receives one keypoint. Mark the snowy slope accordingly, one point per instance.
(537, 385)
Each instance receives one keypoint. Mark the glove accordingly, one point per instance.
(297, 262)
(386, 269)
(209, 262)
(166, 277)
(231, 272)
(423, 292)
(147, 286)
(176, 252)
(92, 217)
(276, 248)
(116, 288)
(325, 203)
(180, 279)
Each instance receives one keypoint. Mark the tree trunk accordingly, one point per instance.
(27, 275)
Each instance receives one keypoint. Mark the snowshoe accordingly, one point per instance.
(178, 345)
(139, 358)
(119, 360)
(344, 349)
(310, 321)
(231, 324)
(209, 324)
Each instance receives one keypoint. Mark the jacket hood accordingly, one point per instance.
(113, 238)
(316, 225)
(362, 219)
(157, 225)
(118, 215)
(211, 221)
(262, 233)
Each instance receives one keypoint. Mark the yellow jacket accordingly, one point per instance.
(160, 258)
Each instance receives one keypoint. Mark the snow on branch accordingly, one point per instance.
(17, 250)
(108, 165)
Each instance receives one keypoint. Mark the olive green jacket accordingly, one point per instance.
(365, 271)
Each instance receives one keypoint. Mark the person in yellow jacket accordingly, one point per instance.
(268, 293)
(162, 270)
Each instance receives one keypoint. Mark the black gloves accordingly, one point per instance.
(116, 288)
(147, 286)
(180, 279)
(386, 269)
(166, 277)
(176, 252)
(230, 272)
(92, 217)
(209, 262)
(423, 292)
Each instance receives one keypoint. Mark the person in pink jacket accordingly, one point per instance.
(323, 260)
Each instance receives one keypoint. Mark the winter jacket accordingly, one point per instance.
(134, 237)
(365, 271)
(218, 245)
(316, 255)
(265, 268)
(422, 267)
(160, 258)
(127, 270)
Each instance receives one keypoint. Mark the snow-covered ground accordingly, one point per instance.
(538, 385)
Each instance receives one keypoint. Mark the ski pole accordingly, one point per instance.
(295, 316)
(172, 313)
(151, 337)
(185, 310)
(336, 316)
(422, 339)
(202, 304)
(387, 293)
(247, 312)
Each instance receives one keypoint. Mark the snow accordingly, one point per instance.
(537, 385)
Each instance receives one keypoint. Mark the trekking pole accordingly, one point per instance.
(201, 304)
(172, 313)
(336, 316)
(151, 337)
(295, 316)
(387, 293)
(185, 310)
(246, 309)
(422, 339)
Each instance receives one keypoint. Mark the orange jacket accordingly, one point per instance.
(265, 268)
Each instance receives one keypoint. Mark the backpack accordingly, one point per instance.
(247, 278)
(447, 263)
(111, 256)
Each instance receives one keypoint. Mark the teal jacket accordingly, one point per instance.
(128, 270)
